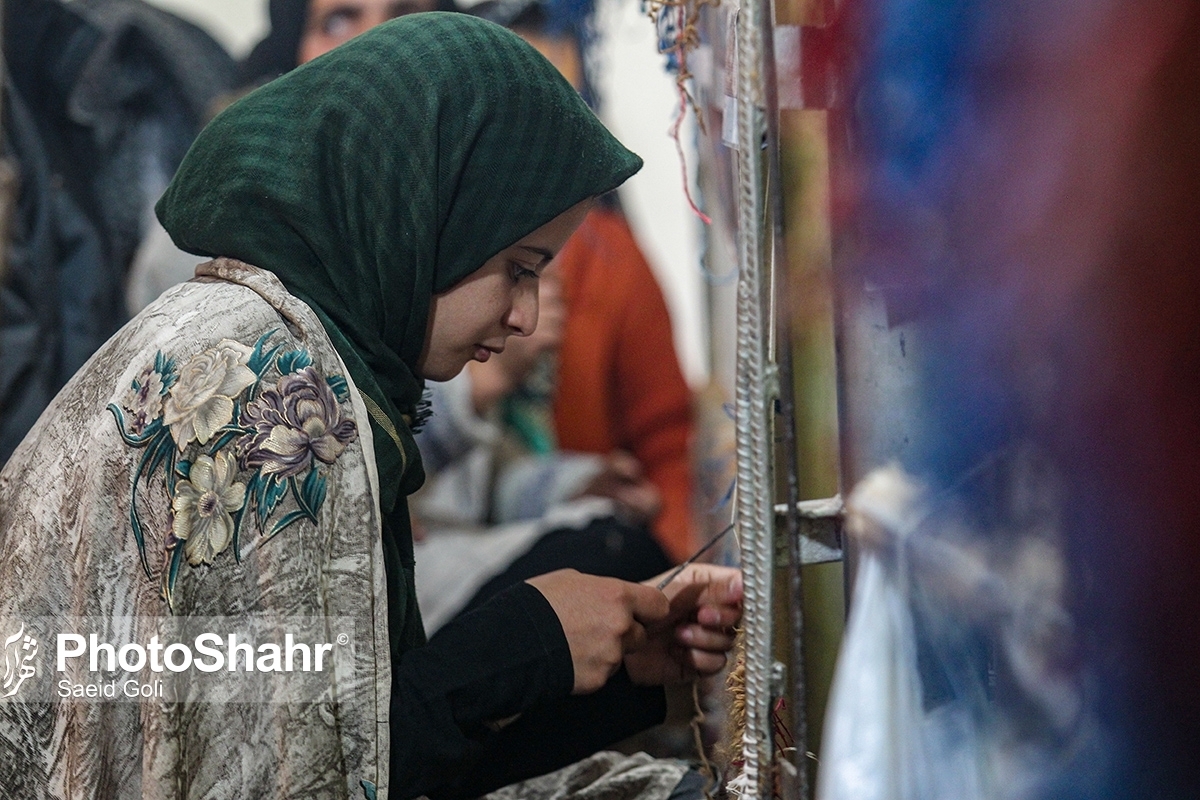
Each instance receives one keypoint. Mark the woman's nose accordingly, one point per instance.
(523, 316)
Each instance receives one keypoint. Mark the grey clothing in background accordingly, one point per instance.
(104, 98)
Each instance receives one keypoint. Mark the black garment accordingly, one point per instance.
(507, 657)
(605, 547)
(506, 654)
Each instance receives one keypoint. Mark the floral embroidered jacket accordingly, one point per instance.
(205, 464)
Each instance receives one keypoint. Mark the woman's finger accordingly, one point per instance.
(698, 637)
(704, 663)
(634, 638)
(719, 616)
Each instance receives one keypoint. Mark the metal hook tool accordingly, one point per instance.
(675, 573)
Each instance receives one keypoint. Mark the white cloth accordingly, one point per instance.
(469, 484)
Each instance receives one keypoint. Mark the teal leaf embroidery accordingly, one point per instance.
(260, 359)
(341, 389)
(281, 435)
(269, 490)
(293, 361)
(312, 494)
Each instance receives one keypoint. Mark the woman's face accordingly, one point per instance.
(331, 22)
(474, 317)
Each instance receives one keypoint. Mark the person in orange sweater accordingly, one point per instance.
(619, 387)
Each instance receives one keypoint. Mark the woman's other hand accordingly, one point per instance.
(695, 636)
(603, 620)
(623, 481)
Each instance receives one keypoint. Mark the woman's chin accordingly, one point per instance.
(441, 372)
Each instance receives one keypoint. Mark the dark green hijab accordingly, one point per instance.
(383, 172)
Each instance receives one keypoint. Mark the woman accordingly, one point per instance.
(240, 453)
(572, 448)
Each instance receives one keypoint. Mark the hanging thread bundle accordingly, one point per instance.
(675, 22)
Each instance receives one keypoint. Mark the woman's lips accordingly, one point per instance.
(482, 354)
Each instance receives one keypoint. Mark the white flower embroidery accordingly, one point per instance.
(203, 507)
(201, 401)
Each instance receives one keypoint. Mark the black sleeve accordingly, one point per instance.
(486, 666)
(507, 657)
(556, 734)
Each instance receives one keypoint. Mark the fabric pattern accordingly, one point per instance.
(77, 474)
(212, 419)
(603, 776)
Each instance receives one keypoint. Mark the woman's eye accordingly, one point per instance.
(519, 272)
(340, 23)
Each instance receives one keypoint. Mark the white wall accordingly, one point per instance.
(639, 104)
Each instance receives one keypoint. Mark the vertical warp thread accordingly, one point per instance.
(753, 448)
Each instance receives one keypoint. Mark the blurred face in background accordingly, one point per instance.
(331, 22)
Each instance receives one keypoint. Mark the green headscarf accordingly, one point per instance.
(383, 172)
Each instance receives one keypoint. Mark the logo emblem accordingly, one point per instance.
(19, 652)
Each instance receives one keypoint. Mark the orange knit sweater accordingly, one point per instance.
(619, 381)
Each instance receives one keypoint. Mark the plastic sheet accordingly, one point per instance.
(880, 743)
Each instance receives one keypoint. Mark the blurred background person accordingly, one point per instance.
(300, 30)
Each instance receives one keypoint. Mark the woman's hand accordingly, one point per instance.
(695, 636)
(662, 637)
(623, 481)
(603, 619)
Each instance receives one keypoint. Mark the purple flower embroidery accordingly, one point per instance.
(143, 400)
(293, 422)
